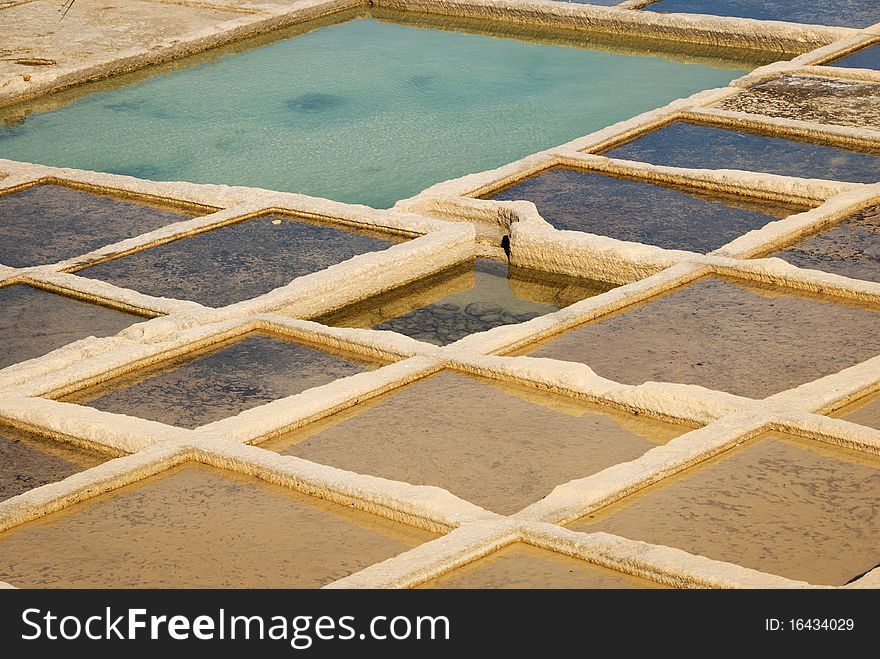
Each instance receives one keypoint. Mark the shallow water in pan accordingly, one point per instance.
(683, 144)
(501, 446)
(523, 566)
(238, 261)
(34, 322)
(199, 527)
(49, 223)
(842, 13)
(781, 504)
(864, 411)
(28, 460)
(744, 338)
(850, 248)
(363, 112)
(470, 298)
(866, 58)
(220, 381)
(666, 216)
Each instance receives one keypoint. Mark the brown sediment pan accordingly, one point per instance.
(501, 446)
(850, 247)
(220, 381)
(727, 334)
(199, 527)
(238, 261)
(811, 98)
(34, 322)
(49, 223)
(779, 504)
(865, 411)
(28, 460)
(523, 566)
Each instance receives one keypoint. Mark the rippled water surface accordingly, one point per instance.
(848, 13)
(364, 111)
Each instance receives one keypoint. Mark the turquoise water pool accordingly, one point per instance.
(363, 112)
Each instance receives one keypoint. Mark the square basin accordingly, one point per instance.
(28, 460)
(864, 58)
(865, 411)
(50, 223)
(642, 212)
(199, 527)
(698, 146)
(523, 566)
(850, 247)
(813, 99)
(367, 111)
(498, 445)
(237, 261)
(779, 504)
(473, 297)
(839, 13)
(741, 337)
(34, 322)
(220, 381)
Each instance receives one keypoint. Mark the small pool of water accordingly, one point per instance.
(363, 112)
(464, 300)
(199, 527)
(220, 381)
(238, 261)
(683, 144)
(866, 58)
(741, 337)
(523, 566)
(783, 505)
(864, 411)
(49, 223)
(638, 211)
(34, 322)
(498, 445)
(841, 13)
(850, 248)
(28, 460)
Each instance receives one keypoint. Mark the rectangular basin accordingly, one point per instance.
(699, 146)
(499, 445)
(864, 411)
(779, 504)
(469, 298)
(741, 337)
(850, 247)
(523, 566)
(199, 527)
(864, 58)
(28, 460)
(642, 212)
(50, 223)
(220, 381)
(238, 261)
(380, 107)
(34, 322)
